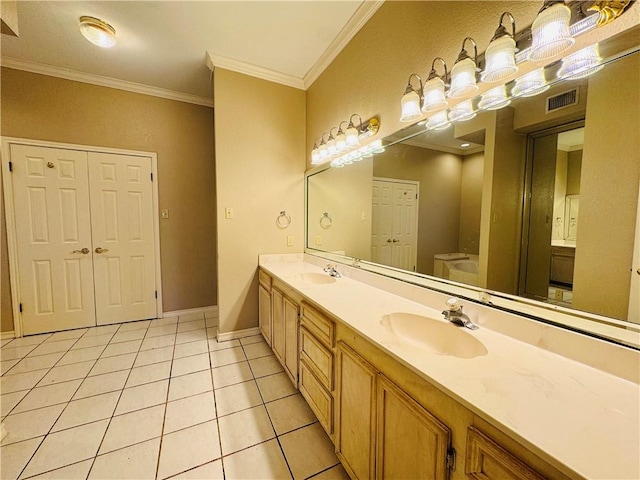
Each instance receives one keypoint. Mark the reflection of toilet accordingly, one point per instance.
(439, 265)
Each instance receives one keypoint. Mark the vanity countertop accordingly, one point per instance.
(578, 418)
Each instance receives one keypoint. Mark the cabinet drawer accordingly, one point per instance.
(321, 327)
(264, 279)
(319, 359)
(318, 398)
(486, 460)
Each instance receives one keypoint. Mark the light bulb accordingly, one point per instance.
(410, 104)
(315, 155)
(439, 121)
(341, 141)
(433, 94)
(98, 32)
(501, 59)
(462, 111)
(352, 136)
(494, 99)
(551, 34)
(581, 64)
(531, 84)
(463, 79)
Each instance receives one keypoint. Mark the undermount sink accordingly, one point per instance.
(441, 337)
(317, 278)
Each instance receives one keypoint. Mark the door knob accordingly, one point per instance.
(84, 251)
(395, 241)
(101, 250)
(388, 240)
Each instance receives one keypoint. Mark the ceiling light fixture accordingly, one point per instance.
(500, 55)
(465, 145)
(463, 73)
(98, 32)
(550, 30)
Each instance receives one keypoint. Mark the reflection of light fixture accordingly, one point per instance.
(439, 121)
(550, 30)
(494, 99)
(463, 73)
(343, 145)
(315, 154)
(433, 90)
(465, 145)
(530, 84)
(462, 111)
(98, 32)
(581, 64)
(500, 55)
(324, 153)
(410, 102)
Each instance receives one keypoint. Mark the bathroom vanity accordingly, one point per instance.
(404, 394)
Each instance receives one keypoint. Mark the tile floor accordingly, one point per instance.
(153, 400)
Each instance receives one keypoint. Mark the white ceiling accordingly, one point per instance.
(164, 44)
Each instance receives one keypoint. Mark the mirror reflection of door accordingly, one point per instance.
(554, 199)
(394, 223)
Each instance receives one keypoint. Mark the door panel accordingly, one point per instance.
(51, 197)
(122, 226)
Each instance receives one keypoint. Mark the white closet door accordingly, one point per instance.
(122, 231)
(51, 197)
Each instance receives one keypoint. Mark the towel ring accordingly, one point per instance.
(326, 221)
(283, 220)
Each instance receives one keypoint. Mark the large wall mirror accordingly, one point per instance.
(536, 202)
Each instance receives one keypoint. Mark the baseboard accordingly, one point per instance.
(248, 332)
(209, 312)
(7, 335)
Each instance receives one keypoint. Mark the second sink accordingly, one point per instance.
(438, 336)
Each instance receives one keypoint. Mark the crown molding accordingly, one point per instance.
(362, 15)
(253, 71)
(101, 81)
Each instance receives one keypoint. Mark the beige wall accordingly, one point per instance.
(47, 108)
(608, 196)
(346, 195)
(440, 177)
(470, 203)
(260, 138)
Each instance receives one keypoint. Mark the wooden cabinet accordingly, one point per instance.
(284, 328)
(264, 312)
(381, 432)
(486, 460)
(562, 263)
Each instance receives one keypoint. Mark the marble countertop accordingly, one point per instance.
(582, 420)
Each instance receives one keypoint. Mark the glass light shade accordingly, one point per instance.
(531, 84)
(315, 155)
(376, 146)
(355, 156)
(463, 79)
(97, 32)
(462, 111)
(501, 59)
(433, 94)
(341, 141)
(323, 151)
(352, 136)
(581, 64)
(551, 34)
(365, 151)
(494, 99)
(332, 149)
(410, 106)
(337, 163)
(439, 121)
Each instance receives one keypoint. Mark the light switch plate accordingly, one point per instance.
(289, 240)
(318, 239)
(164, 213)
(228, 212)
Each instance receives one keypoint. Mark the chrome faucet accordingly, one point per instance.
(331, 270)
(454, 315)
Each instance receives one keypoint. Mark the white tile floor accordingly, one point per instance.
(154, 400)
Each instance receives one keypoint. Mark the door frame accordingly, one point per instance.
(414, 249)
(9, 210)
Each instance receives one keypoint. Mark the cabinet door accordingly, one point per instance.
(277, 322)
(355, 414)
(264, 312)
(411, 443)
(291, 321)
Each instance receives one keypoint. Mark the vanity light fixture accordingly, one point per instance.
(433, 91)
(462, 111)
(332, 149)
(500, 56)
(352, 133)
(410, 102)
(581, 64)
(439, 121)
(341, 138)
(315, 154)
(550, 31)
(97, 31)
(324, 153)
(531, 84)
(463, 73)
(494, 99)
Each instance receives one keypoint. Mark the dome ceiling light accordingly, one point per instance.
(98, 32)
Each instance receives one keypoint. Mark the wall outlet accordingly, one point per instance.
(164, 213)
(289, 240)
(318, 239)
(363, 216)
(228, 213)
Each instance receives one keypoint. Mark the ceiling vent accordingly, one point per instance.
(562, 100)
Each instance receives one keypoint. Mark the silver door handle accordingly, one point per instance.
(101, 250)
(84, 251)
